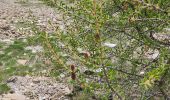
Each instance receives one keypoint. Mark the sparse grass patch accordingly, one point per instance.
(9, 61)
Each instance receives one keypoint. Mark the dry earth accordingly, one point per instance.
(17, 18)
(36, 88)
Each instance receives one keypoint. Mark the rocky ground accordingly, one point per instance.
(18, 17)
(17, 20)
(36, 88)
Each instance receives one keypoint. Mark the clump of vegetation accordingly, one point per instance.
(111, 39)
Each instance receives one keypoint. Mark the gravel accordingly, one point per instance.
(38, 88)
(18, 19)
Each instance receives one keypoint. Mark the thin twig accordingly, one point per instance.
(108, 83)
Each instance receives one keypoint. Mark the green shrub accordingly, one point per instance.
(110, 39)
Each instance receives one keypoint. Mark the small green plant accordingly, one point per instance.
(4, 88)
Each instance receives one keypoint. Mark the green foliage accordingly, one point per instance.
(130, 24)
(4, 88)
(153, 75)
